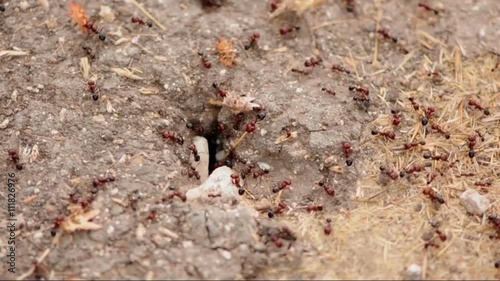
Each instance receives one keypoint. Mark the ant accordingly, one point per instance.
(92, 27)
(14, 156)
(440, 130)
(314, 208)
(86, 202)
(442, 157)
(2, 7)
(235, 178)
(247, 170)
(193, 173)
(363, 91)
(275, 4)
(251, 127)
(436, 78)
(328, 227)
(416, 168)
(252, 41)
(340, 68)
(140, 21)
(396, 117)
(238, 118)
(475, 104)
(484, 183)
(393, 175)
(410, 145)
(329, 190)
(415, 105)
(497, 65)
(312, 62)
(260, 173)
(174, 137)
(178, 194)
(286, 30)
(324, 89)
(280, 208)
(204, 59)
(428, 8)
(57, 223)
(433, 195)
(386, 35)
(429, 112)
(283, 185)
(303, 72)
(387, 134)
(194, 151)
(347, 147)
(100, 180)
(350, 4)
(93, 89)
(152, 216)
(471, 143)
(287, 131)
(195, 127)
(221, 92)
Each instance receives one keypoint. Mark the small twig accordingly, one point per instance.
(148, 15)
(236, 144)
(32, 269)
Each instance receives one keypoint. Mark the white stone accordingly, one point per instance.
(218, 182)
(413, 272)
(474, 202)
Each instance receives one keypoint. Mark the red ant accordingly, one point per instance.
(393, 175)
(92, 27)
(416, 168)
(235, 178)
(251, 127)
(174, 137)
(436, 78)
(194, 151)
(178, 194)
(415, 105)
(428, 8)
(140, 21)
(329, 190)
(363, 91)
(204, 59)
(441, 235)
(283, 185)
(193, 173)
(14, 156)
(495, 220)
(497, 65)
(475, 104)
(340, 68)
(328, 227)
(93, 89)
(433, 195)
(350, 4)
(396, 117)
(280, 208)
(387, 134)
(433, 176)
(328, 91)
(152, 216)
(442, 157)
(485, 182)
(252, 41)
(102, 180)
(259, 173)
(286, 30)
(413, 144)
(347, 147)
(86, 202)
(275, 4)
(238, 118)
(314, 208)
(312, 62)
(440, 130)
(221, 92)
(57, 223)
(386, 35)
(247, 170)
(303, 72)
(195, 127)
(429, 112)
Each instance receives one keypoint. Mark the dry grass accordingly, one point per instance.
(383, 235)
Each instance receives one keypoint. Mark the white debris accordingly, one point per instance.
(107, 14)
(24, 5)
(44, 4)
(4, 123)
(474, 202)
(219, 182)
(413, 272)
(140, 232)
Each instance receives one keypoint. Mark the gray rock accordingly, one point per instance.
(474, 202)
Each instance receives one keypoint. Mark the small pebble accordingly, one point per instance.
(474, 202)
(413, 272)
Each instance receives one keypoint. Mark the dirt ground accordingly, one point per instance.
(380, 226)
